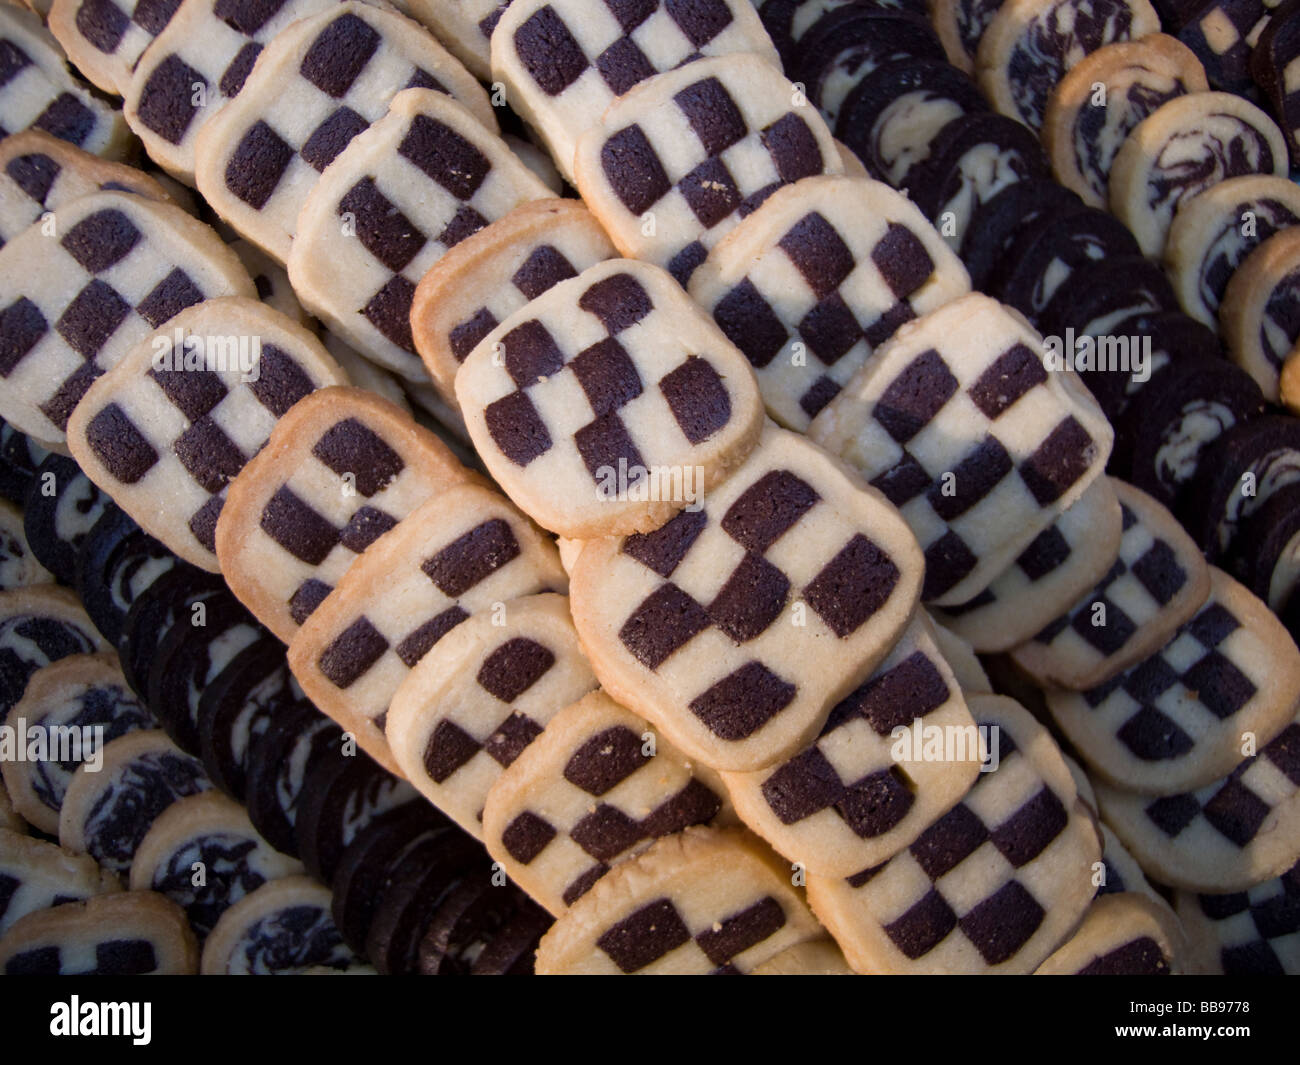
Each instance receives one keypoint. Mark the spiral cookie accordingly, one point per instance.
(39, 625)
(116, 563)
(298, 738)
(18, 566)
(59, 512)
(1260, 312)
(960, 24)
(284, 925)
(1272, 68)
(35, 875)
(181, 594)
(19, 457)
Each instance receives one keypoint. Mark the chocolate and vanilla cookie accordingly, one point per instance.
(70, 710)
(981, 450)
(677, 162)
(19, 568)
(993, 886)
(1092, 110)
(736, 627)
(1266, 551)
(816, 279)
(653, 389)
(341, 469)
(80, 289)
(595, 789)
(183, 592)
(105, 38)
(960, 24)
(420, 180)
(463, 551)
(997, 221)
(319, 83)
(284, 925)
(296, 739)
(1259, 315)
(1223, 34)
(477, 913)
(20, 454)
(789, 21)
(1184, 147)
(1255, 932)
(58, 514)
(116, 563)
(491, 274)
(1120, 935)
(122, 933)
(39, 625)
(463, 26)
(962, 660)
(702, 901)
(1099, 295)
(35, 875)
(1274, 71)
(817, 957)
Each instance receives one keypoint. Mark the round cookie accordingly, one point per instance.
(1272, 68)
(154, 612)
(465, 25)
(61, 508)
(818, 957)
(788, 21)
(1266, 549)
(1223, 34)
(995, 222)
(117, 562)
(512, 950)
(39, 625)
(272, 283)
(35, 875)
(1120, 935)
(19, 567)
(960, 24)
(19, 457)
(467, 922)
(1260, 312)
(1255, 932)
(1095, 298)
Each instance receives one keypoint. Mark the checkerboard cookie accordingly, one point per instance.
(35, 875)
(1153, 173)
(416, 183)
(272, 283)
(960, 24)
(81, 291)
(58, 514)
(652, 387)
(322, 81)
(464, 27)
(958, 422)
(1272, 68)
(1255, 932)
(961, 659)
(564, 62)
(19, 568)
(178, 424)
(1223, 34)
(1260, 329)
(594, 790)
(465, 550)
(702, 901)
(340, 470)
(491, 274)
(676, 163)
(282, 926)
(992, 886)
(105, 38)
(736, 628)
(816, 279)
(1121, 935)
(39, 625)
(817, 957)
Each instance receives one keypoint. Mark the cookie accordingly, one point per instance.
(19, 457)
(829, 268)
(788, 21)
(341, 469)
(39, 625)
(564, 62)
(464, 26)
(960, 24)
(70, 710)
(512, 950)
(702, 901)
(284, 925)
(962, 660)
(297, 738)
(467, 922)
(1094, 108)
(818, 957)
(19, 568)
(60, 510)
(1271, 68)
(992, 886)
(490, 275)
(35, 875)
(8, 816)
(656, 394)
(416, 183)
(1255, 932)
(1266, 547)
(364, 374)
(204, 854)
(1259, 315)
(1183, 148)
(463, 551)
(1097, 297)
(1223, 34)
(272, 283)
(176, 594)
(736, 628)
(1120, 935)
(318, 84)
(1158, 581)
(981, 450)
(105, 38)
(593, 791)
(675, 164)
(116, 563)
(124, 933)
(1175, 722)
(114, 268)
(994, 223)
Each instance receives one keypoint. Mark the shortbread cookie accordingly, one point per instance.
(35, 875)
(285, 924)
(468, 920)
(295, 740)
(1255, 932)
(736, 628)
(1273, 69)
(818, 957)
(993, 886)
(1183, 148)
(19, 568)
(960, 24)
(676, 163)
(340, 470)
(962, 660)
(702, 901)
(322, 81)
(115, 268)
(420, 180)
(1158, 581)
(1095, 106)
(71, 709)
(564, 62)
(463, 551)
(1121, 935)
(981, 449)
(123, 933)
(59, 512)
(39, 625)
(1176, 721)
(116, 563)
(1030, 45)
(595, 789)
(105, 38)
(490, 275)
(272, 283)
(463, 26)
(1098, 296)
(868, 785)
(1260, 312)
(819, 277)
(204, 855)
(655, 392)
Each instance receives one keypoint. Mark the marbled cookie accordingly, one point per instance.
(816, 279)
(1120, 935)
(177, 594)
(59, 512)
(116, 563)
(1266, 550)
(105, 38)
(296, 739)
(735, 628)
(789, 21)
(39, 625)
(35, 875)
(1255, 932)
(8, 816)
(1259, 316)
(284, 925)
(960, 24)
(19, 568)
(1099, 295)
(994, 223)
(654, 392)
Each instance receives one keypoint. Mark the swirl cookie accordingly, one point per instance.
(595, 789)
(1272, 68)
(992, 886)
(19, 568)
(1183, 148)
(653, 390)
(675, 164)
(476, 914)
(996, 222)
(60, 510)
(116, 563)
(827, 268)
(1173, 337)
(123, 933)
(39, 625)
(339, 471)
(960, 24)
(1098, 296)
(19, 457)
(319, 83)
(702, 901)
(1094, 108)
(1259, 316)
(105, 38)
(463, 551)
(114, 268)
(980, 450)
(1265, 553)
(284, 925)
(35, 875)
(735, 628)
(297, 739)
(1255, 932)
(490, 275)
(177, 594)
(1120, 935)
